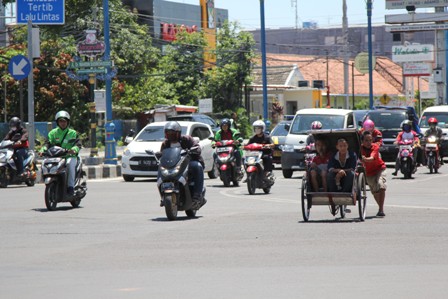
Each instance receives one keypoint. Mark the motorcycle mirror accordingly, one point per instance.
(131, 133)
(128, 140)
(287, 126)
(37, 142)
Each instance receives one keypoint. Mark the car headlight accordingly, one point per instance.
(126, 152)
(288, 148)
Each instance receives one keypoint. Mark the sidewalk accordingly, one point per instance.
(94, 167)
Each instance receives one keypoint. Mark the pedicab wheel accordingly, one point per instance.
(305, 202)
(251, 183)
(170, 203)
(361, 195)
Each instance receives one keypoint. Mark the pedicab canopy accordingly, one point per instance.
(332, 136)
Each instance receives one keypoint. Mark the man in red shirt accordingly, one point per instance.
(375, 170)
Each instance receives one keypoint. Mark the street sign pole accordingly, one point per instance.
(31, 133)
(110, 151)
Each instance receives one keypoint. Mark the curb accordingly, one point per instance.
(103, 171)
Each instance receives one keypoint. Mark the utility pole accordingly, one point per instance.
(263, 62)
(328, 84)
(369, 33)
(345, 49)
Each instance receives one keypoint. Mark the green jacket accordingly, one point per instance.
(55, 137)
(235, 135)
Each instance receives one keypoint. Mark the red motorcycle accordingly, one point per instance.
(253, 163)
(226, 162)
(406, 158)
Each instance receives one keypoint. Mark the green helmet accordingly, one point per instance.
(62, 114)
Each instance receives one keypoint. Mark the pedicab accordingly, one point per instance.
(337, 201)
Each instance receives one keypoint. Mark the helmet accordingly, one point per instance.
(368, 125)
(259, 124)
(225, 121)
(62, 114)
(432, 122)
(172, 131)
(15, 122)
(406, 125)
(316, 125)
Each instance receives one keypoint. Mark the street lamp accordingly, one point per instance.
(263, 61)
(369, 33)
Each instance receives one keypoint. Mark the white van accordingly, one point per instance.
(293, 152)
(441, 114)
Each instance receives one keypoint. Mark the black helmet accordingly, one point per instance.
(225, 121)
(172, 131)
(15, 122)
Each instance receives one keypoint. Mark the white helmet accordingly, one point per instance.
(259, 124)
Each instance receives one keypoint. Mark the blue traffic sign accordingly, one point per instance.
(19, 67)
(44, 12)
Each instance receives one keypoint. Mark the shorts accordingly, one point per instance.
(377, 182)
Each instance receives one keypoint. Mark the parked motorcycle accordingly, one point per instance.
(406, 158)
(432, 153)
(226, 162)
(253, 164)
(8, 170)
(55, 175)
(175, 185)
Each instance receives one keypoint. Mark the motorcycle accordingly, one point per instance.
(174, 182)
(432, 153)
(55, 175)
(406, 158)
(253, 164)
(226, 163)
(8, 170)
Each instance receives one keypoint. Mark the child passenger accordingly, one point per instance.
(318, 167)
(341, 168)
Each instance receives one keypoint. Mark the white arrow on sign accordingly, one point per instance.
(17, 69)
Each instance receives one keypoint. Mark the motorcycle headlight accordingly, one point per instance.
(432, 139)
(169, 172)
(288, 148)
(250, 160)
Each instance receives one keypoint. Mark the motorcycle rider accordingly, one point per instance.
(228, 133)
(21, 143)
(315, 125)
(173, 138)
(369, 125)
(434, 130)
(60, 136)
(407, 134)
(263, 138)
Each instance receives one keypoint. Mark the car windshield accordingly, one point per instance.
(387, 120)
(442, 119)
(154, 133)
(302, 123)
(279, 130)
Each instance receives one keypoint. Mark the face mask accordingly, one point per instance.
(258, 131)
(407, 128)
(14, 128)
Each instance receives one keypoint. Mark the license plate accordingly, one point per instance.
(277, 153)
(147, 162)
(431, 145)
(168, 185)
(221, 149)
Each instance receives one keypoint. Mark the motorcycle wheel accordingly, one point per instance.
(3, 178)
(251, 182)
(214, 173)
(225, 177)
(75, 203)
(191, 213)
(431, 164)
(170, 203)
(51, 200)
(267, 190)
(29, 183)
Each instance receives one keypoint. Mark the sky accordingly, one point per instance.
(280, 13)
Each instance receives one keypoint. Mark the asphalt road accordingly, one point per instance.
(120, 245)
